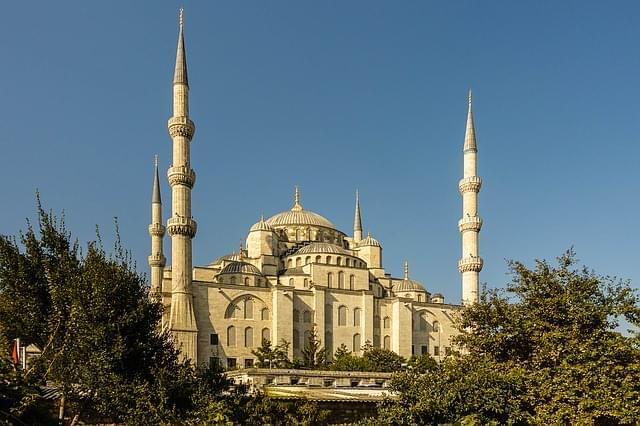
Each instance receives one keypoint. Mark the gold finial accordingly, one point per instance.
(296, 200)
(181, 18)
(240, 251)
(156, 160)
(406, 270)
(470, 97)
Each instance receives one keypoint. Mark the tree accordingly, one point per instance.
(546, 351)
(272, 356)
(313, 354)
(96, 325)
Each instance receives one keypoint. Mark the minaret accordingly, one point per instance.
(470, 263)
(357, 221)
(156, 230)
(181, 226)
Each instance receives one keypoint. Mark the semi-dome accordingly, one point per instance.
(369, 241)
(324, 248)
(299, 216)
(240, 268)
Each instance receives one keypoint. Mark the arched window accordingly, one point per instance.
(306, 316)
(342, 315)
(231, 311)
(318, 259)
(291, 281)
(296, 315)
(338, 261)
(233, 280)
(220, 279)
(264, 314)
(246, 281)
(347, 262)
(328, 260)
(387, 342)
(298, 261)
(266, 335)
(231, 336)
(296, 339)
(298, 238)
(305, 283)
(330, 279)
(289, 263)
(248, 309)
(340, 279)
(307, 260)
(356, 317)
(248, 337)
(436, 326)
(352, 282)
(419, 297)
(387, 322)
(356, 343)
(258, 282)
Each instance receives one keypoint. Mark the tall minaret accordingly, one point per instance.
(181, 226)
(470, 263)
(357, 221)
(156, 230)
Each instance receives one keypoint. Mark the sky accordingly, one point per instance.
(335, 96)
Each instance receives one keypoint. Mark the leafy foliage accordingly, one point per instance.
(546, 353)
(269, 356)
(313, 354)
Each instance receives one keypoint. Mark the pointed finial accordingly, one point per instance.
(296, 200)
(155, 194)
(357, 220)
(240, 251)
(406, 270)
(180, 73)
(261, 217)
(470, 132)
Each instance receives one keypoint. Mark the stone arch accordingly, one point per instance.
(238, 305)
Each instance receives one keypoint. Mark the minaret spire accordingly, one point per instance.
(357, 220)
(470, 263)
(156, 260)
(406, 270)
(181, 226)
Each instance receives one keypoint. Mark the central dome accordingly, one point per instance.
(299, 216)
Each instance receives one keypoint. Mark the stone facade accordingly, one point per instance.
(296, 272)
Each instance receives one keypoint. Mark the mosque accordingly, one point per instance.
(297, 272)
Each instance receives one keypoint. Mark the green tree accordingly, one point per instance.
(313, 353)
(546, 351)
(269, 356)
(97, 327)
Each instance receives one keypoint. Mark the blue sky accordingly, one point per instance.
(334, 96)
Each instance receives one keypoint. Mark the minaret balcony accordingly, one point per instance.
(182, 226)
(181, 175)
(470, 184)
(156, 230)
(157, 260)
(470, 223)
(470, 264)
(181, 126)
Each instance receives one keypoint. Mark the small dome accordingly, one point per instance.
(324, 248)
(369, 241)
(408, 285)
(240, 268)
(261, 226)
